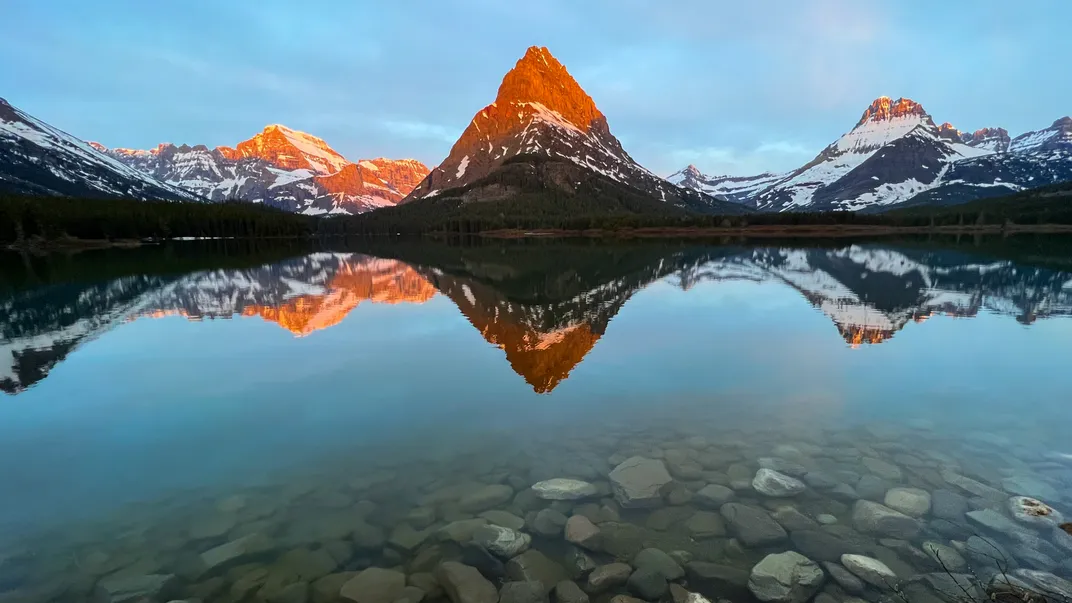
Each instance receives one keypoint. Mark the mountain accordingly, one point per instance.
(38, 159)
(544, 306)
(896, 155)
(282, 168)
(733, 188)
(542, 116)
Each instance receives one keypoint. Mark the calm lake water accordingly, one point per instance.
(233, 424)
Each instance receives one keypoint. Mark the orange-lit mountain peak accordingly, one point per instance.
(289, 149)
(538, 77)
(884, 108)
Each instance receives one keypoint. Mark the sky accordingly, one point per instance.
(732, 87)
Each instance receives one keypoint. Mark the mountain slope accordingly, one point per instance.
(38, 159)
(894, 151)
(895, 156)
(733, 188)
(280, 167)
(1032, 160)
(540, 110)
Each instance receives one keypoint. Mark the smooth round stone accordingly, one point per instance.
(882, 469)
(873, 518)
(638, 482)
(1033, 511)
(374, 585)
(910, 501)
(945, 556)
(771, 483)
(562, 488)
(870, 570)
(659, 561)
(826, 519)
(606, 577)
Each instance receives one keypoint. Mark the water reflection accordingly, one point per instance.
(544, 306)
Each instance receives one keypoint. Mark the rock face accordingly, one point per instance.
(785, 578)
(541, 112)
(873, 518)
(464, 584)
(561, 488)
(638, 482)
(771, 483)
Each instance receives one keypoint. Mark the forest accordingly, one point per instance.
(27, 219)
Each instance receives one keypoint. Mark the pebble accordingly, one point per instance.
(913, 502)
(581, 531)
(871, 571)
(638, 482)
(787, 577)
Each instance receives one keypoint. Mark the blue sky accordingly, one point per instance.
(734, 87)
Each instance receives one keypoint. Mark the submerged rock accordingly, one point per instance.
(882, 469)
(126, 588)
(374, 585)
(771, 483)
(485, 498)
(638, 482)
(464, 584)
(1034, 512)
(567, 591)
(713, 496)
(785, 578)
(502, 542)
(873, 518)
(753, 526)
(532, 565)
(658, 561)
(871, 571)
(561, 488)
(647, 583)
(606, 577)
(522, 592)
(910, 501)
(581, 531)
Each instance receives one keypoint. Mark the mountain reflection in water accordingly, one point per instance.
(544, 306)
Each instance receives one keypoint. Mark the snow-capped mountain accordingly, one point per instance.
(282, 168)
(733, 188)
(897, 155)
(38, 159)
(541, 113)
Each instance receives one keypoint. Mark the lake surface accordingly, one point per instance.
(320, 412)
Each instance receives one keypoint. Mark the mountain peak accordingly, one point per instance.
(538, 77)
(883, 109)
(289, 149)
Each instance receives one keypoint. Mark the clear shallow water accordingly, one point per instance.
(158, 408)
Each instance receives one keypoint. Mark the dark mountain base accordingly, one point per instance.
(529, 191)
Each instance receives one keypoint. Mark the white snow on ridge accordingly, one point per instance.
(1025, 143)
(461, 167)
(316, 151)
(288, 176)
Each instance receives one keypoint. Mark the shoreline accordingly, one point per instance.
(800, 231)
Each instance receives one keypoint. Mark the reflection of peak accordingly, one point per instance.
(378, 281)
(543, 343)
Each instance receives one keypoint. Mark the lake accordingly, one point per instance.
(233, 422)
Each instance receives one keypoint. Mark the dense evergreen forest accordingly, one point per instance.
(26, 219)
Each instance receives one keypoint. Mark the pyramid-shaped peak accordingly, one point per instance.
(1064, 122)
(539, 78)
(884, 108)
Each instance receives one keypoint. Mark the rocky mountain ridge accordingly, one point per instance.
(896, 155)
(282, 168)
(541, 111)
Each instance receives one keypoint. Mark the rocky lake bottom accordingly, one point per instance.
(656, 512)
